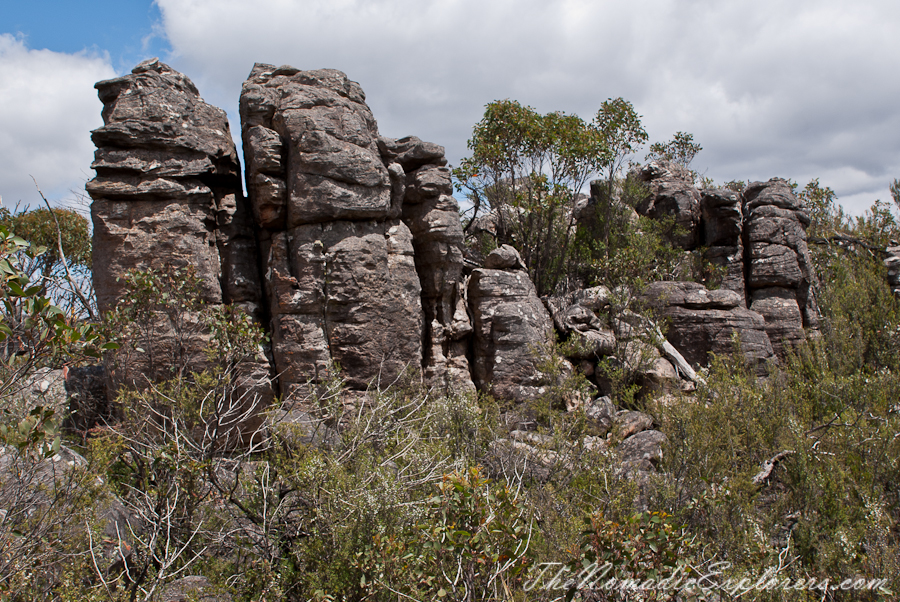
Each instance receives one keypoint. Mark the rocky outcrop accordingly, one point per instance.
(168, 189)
(756, 242)
(511, 328)
(349, 247)
(780, 274)
(703, 322)
(672, 195)
(358, 235)
(168, 194)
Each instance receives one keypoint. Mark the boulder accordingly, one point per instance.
(504, 257)
(411, 152)
(629, 422)
(642, 451)
(701, 322)
(601, 412)
(590, 344)
(512, 331)
(585, 336)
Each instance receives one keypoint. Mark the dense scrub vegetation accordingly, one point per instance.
(415, 495)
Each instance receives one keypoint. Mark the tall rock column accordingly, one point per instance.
(780, 274)
(168, 193)
(341, 278)
(168, 189)
(432, 215)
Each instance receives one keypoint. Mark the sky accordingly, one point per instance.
(802, 89)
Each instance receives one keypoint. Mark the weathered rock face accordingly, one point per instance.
(432, 215)
(345, 292)
(704, 321)
(672, 194)
(168, 189)
(722, 223)
(312, 149)
(363, 240)
(168, 193)
(781, 276)
(511, 325)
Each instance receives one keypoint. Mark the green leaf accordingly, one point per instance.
(16, 289)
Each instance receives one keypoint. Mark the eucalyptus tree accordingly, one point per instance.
(681, 149)
(529, 169)
(623, 134)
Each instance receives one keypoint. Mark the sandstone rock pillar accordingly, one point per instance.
(168, 189)
(432, 215)
(168, 193)
(781, 276)
(340, 275)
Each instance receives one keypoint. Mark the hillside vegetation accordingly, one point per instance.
(417, 494)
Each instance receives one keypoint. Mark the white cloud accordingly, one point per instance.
(795, 89)
(49, 106)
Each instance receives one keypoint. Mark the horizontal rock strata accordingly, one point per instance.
(781, 277)
(168, 194)
(703, 322)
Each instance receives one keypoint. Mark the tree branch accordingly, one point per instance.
(62, 256)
